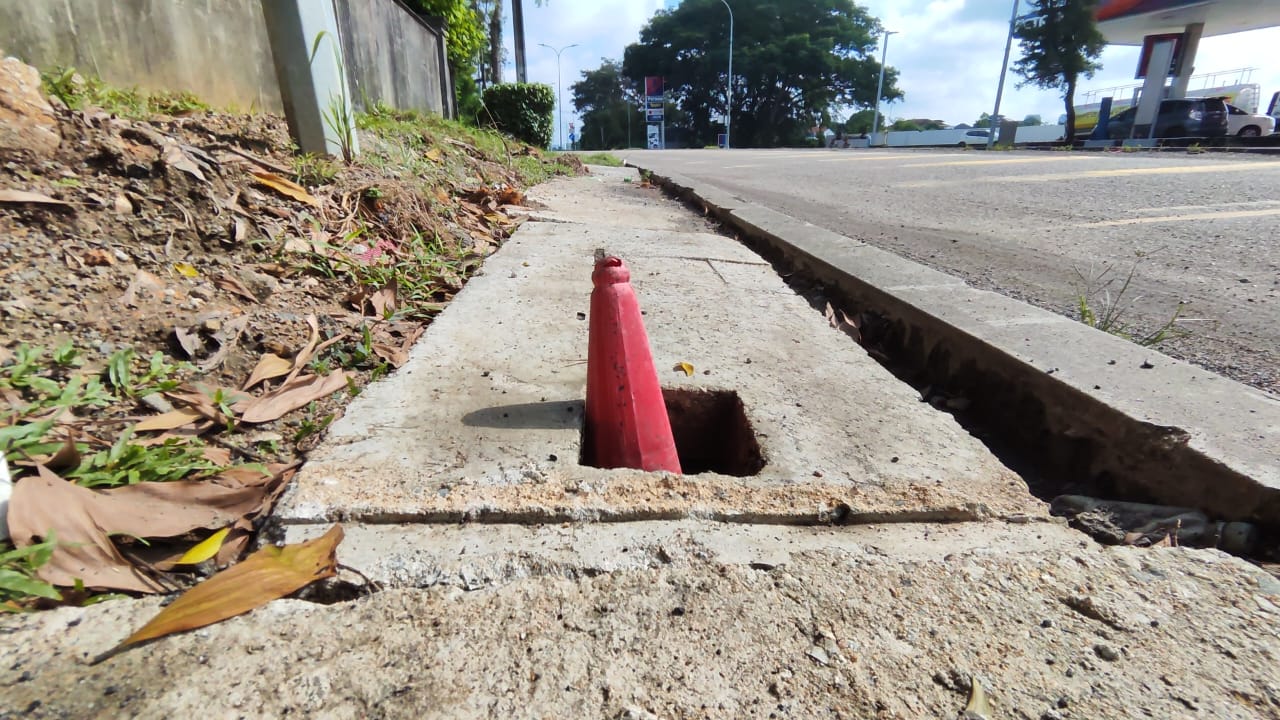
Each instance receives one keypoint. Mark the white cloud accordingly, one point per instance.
(948, 53)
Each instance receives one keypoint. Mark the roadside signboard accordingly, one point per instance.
(655, 137)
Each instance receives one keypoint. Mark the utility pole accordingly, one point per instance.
(559, 104)
(875, 117)
(517, 28)
(728, 107)
(1004, 70)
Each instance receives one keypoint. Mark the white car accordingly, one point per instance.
(975, 137)
(1245, 124)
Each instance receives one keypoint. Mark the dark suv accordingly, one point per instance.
(1190, 117)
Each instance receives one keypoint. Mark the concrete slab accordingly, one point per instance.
(484, 421)
(475, 555)
(1048, 631)
(1092, 404)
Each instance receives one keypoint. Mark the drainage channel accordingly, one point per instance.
(1093, 469)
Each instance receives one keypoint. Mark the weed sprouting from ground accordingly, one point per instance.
(78, 91)
(1104, 300)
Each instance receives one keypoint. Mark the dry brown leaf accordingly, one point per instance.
(170, 420)
(293, 394)
(510, 196)
(269, 574)
(142, 281)
(44, 504)
(227, 336)
(242, 531)
(169, 509)
(217, 455)
(383, 301)
(391, 354)
(233, 285)
(434, 154)
(22, 196)
(288, 188)
(242, 476)
(269, 366)
(239, 230)
(685, 368)
(189, 340)
(98, 257)
(304, 355)
(441, 195)
(179, 158)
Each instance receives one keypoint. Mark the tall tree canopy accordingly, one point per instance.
(793, 61)
(1060, 44)
(605, 98)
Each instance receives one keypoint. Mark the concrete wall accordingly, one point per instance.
(917, 138)
(216, 49)
(394, 56)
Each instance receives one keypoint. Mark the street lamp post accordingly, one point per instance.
(728, 108)
(559, 104)
(884, 56)
(1004, 69)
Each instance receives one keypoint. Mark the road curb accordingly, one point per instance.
(1082, 406)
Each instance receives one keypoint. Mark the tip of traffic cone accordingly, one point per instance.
(626, 418)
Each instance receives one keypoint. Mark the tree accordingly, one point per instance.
(1032, 121)
(605, 98)
(859, 122)
(983, 121)
(1060, 44)
(793, 63)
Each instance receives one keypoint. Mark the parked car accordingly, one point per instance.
(1246, 124)
(976, 136)
(1188, 117)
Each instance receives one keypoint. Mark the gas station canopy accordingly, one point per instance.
(1127, 22)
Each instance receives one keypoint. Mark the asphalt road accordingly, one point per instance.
(1047, 227)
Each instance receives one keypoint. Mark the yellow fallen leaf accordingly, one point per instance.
(186, 269)
(288, 188)
(266, 575)
(270, 366)
(434, 154)
(170, 420)
(684, 367)
(204, 549)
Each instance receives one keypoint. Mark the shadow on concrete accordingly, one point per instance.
(551, 415)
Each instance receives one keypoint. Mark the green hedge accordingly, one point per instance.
(523, 110)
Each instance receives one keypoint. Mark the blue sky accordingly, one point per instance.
(947, 51)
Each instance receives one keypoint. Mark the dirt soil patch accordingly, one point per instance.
(188, 283)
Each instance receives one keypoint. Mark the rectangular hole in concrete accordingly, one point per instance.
(711, 431)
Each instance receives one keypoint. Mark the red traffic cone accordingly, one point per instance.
(626, 422)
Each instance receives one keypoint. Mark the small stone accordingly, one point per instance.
(1046, 623)
(156, 402)
(819, 655)
(1106, 652)
(1051, 715)
(1064, 701)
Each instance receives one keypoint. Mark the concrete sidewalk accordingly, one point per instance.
(877, 563)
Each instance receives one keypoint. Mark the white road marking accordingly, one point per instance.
(1004, 161)
(1229, 215)
(1116, 172)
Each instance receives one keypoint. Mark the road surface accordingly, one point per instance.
(1202, 230)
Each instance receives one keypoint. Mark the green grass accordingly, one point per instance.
(78, 91)
(600, 158)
